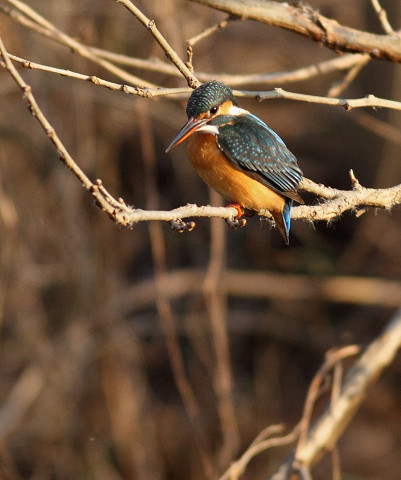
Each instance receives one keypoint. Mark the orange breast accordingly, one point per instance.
(231, 183)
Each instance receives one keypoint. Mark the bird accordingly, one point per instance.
(239, 156)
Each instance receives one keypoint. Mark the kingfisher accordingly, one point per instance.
(239, 156)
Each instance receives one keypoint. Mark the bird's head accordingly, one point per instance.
(206, 103)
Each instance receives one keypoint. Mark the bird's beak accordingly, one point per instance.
(188, 129)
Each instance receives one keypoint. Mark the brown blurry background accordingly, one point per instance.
(94, 316)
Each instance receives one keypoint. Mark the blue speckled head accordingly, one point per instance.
(209, 95)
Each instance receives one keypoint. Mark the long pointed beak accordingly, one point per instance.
(188, 129)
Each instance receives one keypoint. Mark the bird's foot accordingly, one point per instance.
(180, 226)
(237, 221)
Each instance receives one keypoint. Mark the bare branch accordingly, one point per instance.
(208, 31)
(347, 103)
(382, 14)
(308, 22)
(327, 429)
(76, 46)
(344, 62)
(332, 359)
(260, 444)
(170, 53)
(142, 92)
(352, 73)
(65, 157)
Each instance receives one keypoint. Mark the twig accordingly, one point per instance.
(210, 30)
(347, 103)
(142, 92)
(170, 53)
(64, 156)
(79, 47)
(349, 77)
(259, 445)
(382, 14)
(343, 62)
(332, 358)
(370, 101)
(330, 425)
(308, 22)
(285, 77)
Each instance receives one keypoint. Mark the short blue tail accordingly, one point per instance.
(287, 219)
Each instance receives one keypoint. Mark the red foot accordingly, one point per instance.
(237, 221)
(237, 207)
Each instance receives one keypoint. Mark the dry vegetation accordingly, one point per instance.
(138, 353)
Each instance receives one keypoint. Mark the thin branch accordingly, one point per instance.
(332, 359)
(210, 30)
(370, 101)
(65, 157)
(311, 24)
(336, 64)
(382, 14)
(347, 103)
(331, 424)
(343, 62)
(350, 76)
(305, 73)
(168, 50)
(259, 445)
(329, 427)
(142, 92)
(77, 46)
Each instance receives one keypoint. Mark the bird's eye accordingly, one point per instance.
(213, 110)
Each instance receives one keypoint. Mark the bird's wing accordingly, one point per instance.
(255, 149)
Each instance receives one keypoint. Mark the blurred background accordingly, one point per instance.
(145, 354)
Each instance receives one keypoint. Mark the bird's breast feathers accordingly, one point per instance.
(227, 179)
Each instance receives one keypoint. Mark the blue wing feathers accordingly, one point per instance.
(258, 151)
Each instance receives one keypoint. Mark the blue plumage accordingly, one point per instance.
(252, 166)
(254, 148)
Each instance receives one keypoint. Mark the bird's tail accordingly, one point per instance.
(283, 220)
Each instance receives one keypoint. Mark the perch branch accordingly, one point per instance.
(311, 24)
(338, 201)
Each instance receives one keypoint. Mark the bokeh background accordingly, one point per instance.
(125, 354)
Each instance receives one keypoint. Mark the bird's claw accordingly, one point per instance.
(180, 226)
(235, 222)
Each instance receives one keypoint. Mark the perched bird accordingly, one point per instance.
(239, 156)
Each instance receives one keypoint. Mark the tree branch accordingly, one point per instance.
(330, 425)
(193, 82)
(338, 201)
(309, 23)
(53, 32)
